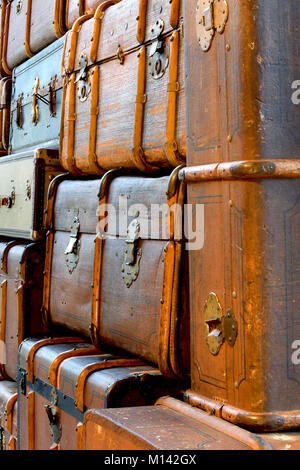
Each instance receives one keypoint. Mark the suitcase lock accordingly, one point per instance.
(133, 254)
(218, 327)
(211, 16)
(19, 6)
(54, 417)
(159, 52)
(8, 201)
(72, 250)
(84, 86)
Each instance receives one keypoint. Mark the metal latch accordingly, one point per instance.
(84, 87)
(22, 379)
(72, 250)
(51, 102)
(133, 254)
(159, 52)
(218, 328)
(19, 117)
(8, 201)
(54, 417)
(35, 106)
(211, 17)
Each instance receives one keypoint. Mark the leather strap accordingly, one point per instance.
(28, 29)
(41, 344)
(165, 313)
(9, 412)
(95, 321)
(31, 420)
(6, 21)
(98, 366)
(3, 289)
(173, 88)
(94, 168)
(99, 14)
(174, 13)
(54, 369)
(141, 19)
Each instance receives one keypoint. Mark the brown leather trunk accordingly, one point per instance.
(5, 97)
(139, 121)
(21, 299)
(143, 313)
(28, 28)
(60, 380)
(243, 154)
(8, 415)
(77, 8)
(170, 425)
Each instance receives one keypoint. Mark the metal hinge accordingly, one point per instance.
(211, 17)
(219, 328)
(133, 254)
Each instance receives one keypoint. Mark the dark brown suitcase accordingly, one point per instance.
(29, 27)
(119, 283)
(8, 415)
(59, 381)
(77, 8)
(21, 287)
(243, 153)
(138, 121)
(170, 425)
(5, 99)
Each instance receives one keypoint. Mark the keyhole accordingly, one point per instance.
(158, 66)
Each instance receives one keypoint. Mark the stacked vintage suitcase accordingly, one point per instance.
(95, 280)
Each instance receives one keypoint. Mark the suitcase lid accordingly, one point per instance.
(73, 204)
(117, 28)
(147, 428)
(37, 74)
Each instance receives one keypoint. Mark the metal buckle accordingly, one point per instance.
(159, 52)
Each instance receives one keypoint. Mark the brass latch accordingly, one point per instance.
(72, 250)
(84, 86)
(159, 52)
(211, 17)
(8, 201)
(19, 117)
(218, 327)
(133, 254)
(35, 106)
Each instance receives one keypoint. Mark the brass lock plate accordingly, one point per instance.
(218, 327)
(132, 255)
(211, 17)
(19, 6)
(73, 248)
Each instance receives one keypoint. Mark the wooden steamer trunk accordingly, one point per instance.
(36, 101)
(8, 415)
(170, 425)
(24, 181)
(243, 157)
(143, 314)
(142, 43)
(21, 283)
(59, 379)
(27, 28)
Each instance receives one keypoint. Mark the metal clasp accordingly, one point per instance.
(8, 201)
(211, 17)
(218, 328)
(132, 255)
(35, 106)
(72, 250)
(159, 52)
(84, 88)
(54, 417)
